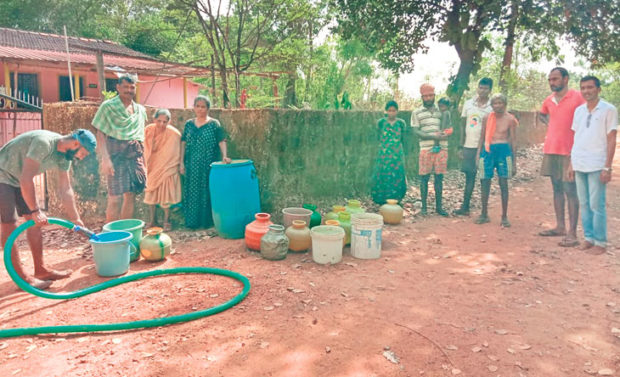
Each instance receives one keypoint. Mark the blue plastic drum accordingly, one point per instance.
(234, 197)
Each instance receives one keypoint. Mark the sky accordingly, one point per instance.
(442, 61)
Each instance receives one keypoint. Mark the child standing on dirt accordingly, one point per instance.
(497, 152)
(446, 120)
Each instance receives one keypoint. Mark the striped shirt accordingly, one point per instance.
(428, 120)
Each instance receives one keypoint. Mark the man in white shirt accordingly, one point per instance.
(595, 123)
(474, 111)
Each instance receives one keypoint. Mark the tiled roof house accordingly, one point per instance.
(37, 63)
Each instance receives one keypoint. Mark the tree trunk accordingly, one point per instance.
(396, 90)
(225, 97)
(290, 96)
(309, 67)
(237, 87)
(459, 85)
(213, 89)
(508, 46)
(467, 44)
(210, 29)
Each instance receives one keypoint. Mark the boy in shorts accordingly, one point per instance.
(497, 153)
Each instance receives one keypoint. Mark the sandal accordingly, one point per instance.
(551, 233)
(596, 250)
(505, 223)
(483, 220)
(461, 212)
(568, 242)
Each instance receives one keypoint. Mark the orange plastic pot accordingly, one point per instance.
(255, 230)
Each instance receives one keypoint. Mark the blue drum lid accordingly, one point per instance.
(233, 164)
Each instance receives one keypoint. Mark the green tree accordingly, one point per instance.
(244, 33)
(534, 25)
(144, 25)
(340, 66)
(525, 84)
(594, 27)
(395, 30)
(590, 24)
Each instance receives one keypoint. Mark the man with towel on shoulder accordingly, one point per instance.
(497, 152)
(120, 123)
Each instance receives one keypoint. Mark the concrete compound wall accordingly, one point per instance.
(301, 156)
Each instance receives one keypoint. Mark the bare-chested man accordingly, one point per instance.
(497, 152)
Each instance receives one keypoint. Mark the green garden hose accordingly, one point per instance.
(162, 321)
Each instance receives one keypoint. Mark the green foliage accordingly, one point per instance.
(340, 66)
(527, 85)
(395, 30)
(151, 34)
(144, 25)
(108, 94)
(610, 82)
(593, 25)
(281, 36)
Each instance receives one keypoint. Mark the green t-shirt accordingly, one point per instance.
(38, 145)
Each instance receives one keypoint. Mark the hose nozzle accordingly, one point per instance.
(86, 232)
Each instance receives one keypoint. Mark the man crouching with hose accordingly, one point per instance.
(21, 160)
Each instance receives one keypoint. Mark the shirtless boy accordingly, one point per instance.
(497, 152)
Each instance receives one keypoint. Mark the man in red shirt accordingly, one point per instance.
(557, 113)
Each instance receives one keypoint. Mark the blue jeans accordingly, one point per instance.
(591, 193)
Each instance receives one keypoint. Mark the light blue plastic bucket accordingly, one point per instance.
(111, 252)
(133, 226)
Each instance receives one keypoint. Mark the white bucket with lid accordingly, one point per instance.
(327, 244)
(366, 235)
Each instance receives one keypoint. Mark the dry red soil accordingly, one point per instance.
(447, 297)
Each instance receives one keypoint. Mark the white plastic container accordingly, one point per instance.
(327, 244)
(366, 235)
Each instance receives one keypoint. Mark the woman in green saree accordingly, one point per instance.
(389, 172)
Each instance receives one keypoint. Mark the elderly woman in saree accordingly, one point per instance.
(162, 152)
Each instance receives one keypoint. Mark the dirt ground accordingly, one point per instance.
(446, 298)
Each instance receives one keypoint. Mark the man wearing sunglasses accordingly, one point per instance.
(595, 123)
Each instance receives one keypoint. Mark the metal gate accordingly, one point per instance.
(14, 122)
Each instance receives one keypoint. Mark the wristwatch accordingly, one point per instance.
(607, 169)
(33, 210)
